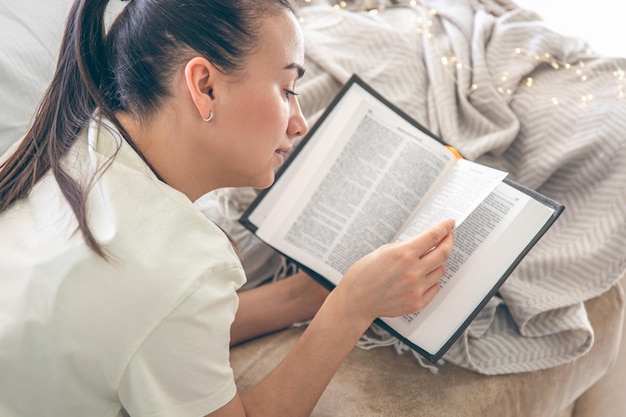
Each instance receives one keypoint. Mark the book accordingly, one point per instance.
(367, 174)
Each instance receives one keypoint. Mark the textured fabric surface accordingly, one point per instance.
(505, 90)
(30, 35)
(30, 38)
(381, 383)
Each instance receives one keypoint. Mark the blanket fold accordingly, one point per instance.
(494, 81)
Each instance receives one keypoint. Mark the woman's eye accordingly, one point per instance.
(290, 92)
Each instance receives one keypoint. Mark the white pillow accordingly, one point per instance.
(30, 36)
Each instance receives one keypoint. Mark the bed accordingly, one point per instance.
(497, 83)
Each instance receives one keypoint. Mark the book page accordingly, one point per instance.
(455, 197)
(485, 245)
(358, 193)
(368, 193)
(365, 197)
(329, 138)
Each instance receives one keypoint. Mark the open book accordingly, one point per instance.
(365, 175)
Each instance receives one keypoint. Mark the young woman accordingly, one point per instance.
(117, 295)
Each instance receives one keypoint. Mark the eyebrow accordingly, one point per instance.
(297, 67)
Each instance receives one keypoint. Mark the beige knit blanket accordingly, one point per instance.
(495, 82)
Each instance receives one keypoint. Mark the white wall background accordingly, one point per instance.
(602, 23)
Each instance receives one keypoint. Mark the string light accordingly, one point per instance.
(579, 70)
(619, 76)
(424, 21)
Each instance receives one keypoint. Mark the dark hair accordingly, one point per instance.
(127, 68)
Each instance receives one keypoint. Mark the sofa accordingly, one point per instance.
(375, 382)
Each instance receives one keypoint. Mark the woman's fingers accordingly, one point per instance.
(431, 238)
(434, 277)
(430, 293)
(400, 278)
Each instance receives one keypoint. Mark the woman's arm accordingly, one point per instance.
(276, 306)
(397, 279)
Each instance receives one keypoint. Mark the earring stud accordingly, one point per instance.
(208, 119)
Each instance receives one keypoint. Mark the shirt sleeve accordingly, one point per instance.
(182, 368)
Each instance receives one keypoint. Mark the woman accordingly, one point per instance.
(116, 294)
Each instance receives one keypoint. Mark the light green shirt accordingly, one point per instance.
(147, 331)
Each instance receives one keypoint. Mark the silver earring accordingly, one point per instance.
(208, 119)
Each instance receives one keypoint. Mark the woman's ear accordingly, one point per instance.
(200, 77)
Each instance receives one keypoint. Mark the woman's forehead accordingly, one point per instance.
(281, 41)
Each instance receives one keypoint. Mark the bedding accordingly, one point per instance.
(30, 33)
(30, 37)
(494, 81)
(490, 79)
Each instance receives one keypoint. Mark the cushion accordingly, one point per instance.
(31, 32)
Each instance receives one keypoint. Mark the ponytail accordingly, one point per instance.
(66, 108)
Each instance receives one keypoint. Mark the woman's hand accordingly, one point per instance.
(398, 278)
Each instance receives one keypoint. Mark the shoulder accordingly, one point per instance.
(132, 212)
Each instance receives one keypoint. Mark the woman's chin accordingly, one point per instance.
(265, 181)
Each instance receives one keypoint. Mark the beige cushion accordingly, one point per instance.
(605, 398)
(382, 383)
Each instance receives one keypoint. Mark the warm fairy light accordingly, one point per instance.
(619, 75)
(424, 21)
(586, 100)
